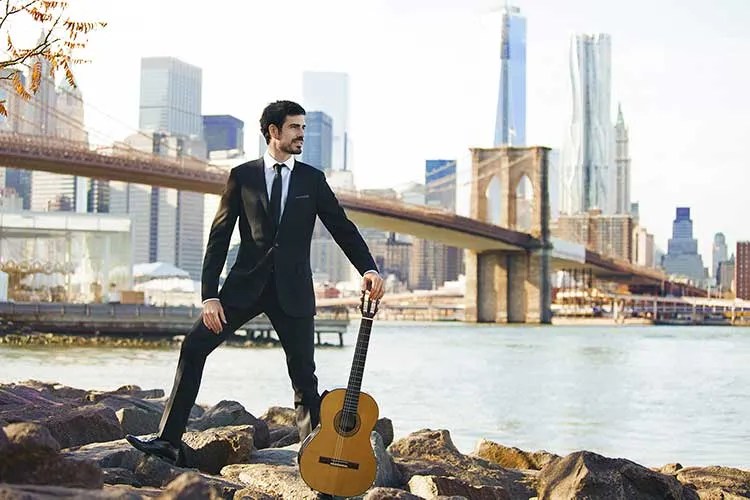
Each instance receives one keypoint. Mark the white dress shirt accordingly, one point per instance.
(286, 173)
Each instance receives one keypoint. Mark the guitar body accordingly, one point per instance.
(335, 458)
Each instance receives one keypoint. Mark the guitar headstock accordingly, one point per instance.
(369, 307)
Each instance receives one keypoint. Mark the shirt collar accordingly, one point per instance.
(269, 161)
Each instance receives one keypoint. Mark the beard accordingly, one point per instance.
(292, 148)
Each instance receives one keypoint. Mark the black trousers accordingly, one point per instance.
(297, 339)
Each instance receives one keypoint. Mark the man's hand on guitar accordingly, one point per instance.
(374, 283)
(213, 316)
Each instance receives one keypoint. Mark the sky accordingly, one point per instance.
(424, 79)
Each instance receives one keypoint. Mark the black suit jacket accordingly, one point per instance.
(288, 254)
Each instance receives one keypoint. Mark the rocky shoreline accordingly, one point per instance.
(62, 442)
(62, 340)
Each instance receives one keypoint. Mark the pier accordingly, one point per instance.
(141, 320)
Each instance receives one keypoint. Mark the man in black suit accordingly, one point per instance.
(276, 200)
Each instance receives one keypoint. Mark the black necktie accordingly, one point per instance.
(276, 197)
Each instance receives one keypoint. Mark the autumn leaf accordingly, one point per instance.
(36, 77)
(3, 111)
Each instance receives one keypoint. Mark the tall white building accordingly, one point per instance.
(587, 173)
(622, 164)
(719, 253)
(329, 92)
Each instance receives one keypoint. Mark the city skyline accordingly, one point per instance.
(400, 78)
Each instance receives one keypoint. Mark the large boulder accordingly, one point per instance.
(228, 413)
(512, 458)
(280, 416)
(31, 457)
(388, 474)
(137, 421)
(189, 486)
(719, 482)
(384, 427)
(113, 454)
(437, 486)
(215, 448)
(432, 453)
(126, 390)
(88, 424)
(587, 475)
(389, 494)
(151, 471)
(282, 436)
(30, 439)
(280, 481)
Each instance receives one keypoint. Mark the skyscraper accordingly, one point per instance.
(742, 270)
(329, 92)
(168, 223)
(682, 258)
(170, 97)
(224, 133)
(622, 164)
(434, 263)
(587, 175)
(318, 140)
(510, 122)
(718, 254)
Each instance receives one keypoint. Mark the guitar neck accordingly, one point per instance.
(351, 399)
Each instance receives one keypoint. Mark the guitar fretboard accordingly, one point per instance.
(351, 399)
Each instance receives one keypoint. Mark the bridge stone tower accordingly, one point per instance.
(510, 188)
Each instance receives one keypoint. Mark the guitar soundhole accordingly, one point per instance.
(347, 424)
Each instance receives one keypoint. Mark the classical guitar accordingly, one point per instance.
(337, 457)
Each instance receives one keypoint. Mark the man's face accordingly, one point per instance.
(292, 135)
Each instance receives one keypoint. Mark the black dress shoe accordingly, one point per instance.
(324, 496)
(158, 447)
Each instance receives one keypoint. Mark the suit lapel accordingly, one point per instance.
(259, 183)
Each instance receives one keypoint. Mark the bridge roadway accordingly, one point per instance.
(128, 165)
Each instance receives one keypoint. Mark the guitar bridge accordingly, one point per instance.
(337, 462)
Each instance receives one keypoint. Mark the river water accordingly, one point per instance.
(650, 394)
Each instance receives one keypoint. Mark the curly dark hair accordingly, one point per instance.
(275, 114)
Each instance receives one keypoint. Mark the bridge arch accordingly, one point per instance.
(524, 201)
(494, 194)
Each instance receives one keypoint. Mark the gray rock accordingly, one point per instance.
(4, 443)
(190, 486)
(138, 421)
(389, 494)
(282, 481)
(282, 436)
(587, 475)
(30, 438)
(108, 455)
(89, 424)
(215, 448)
(126, 390)
(51, 470)
(227, 413)
(727, 480)
(118, 475)
(280, 416)
(670, 469)
(272, 456)
(439, 486)
(151, 471)
(252, 494)
(432, 453)
(37, 492)
(388, 475)
(512, 458)
(384, 427)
